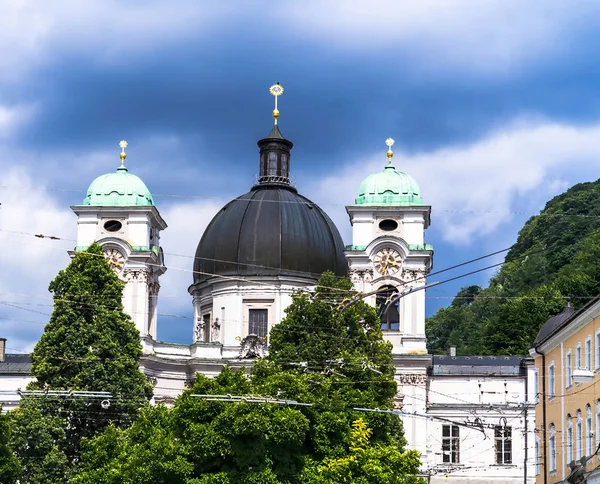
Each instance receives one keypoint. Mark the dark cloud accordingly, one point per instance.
(193, 110)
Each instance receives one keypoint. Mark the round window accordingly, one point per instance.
(112, 226)
(388, 225)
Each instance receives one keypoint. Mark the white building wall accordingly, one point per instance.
(229, 301)
(9, 384)
(139, 229)
(488, 401)
(362, 229)
(413, 228)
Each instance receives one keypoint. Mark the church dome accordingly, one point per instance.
(271, 230)
(389, 187)
(119, 189)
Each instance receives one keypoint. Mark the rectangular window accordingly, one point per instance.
(597, 423)
(579, 432)
(552, 445)
(588, 354)
(589, 441)
(537, 456)
(569, 441)
(578, 356)
(536, 386)
(450, 444)
(569, 369)
(598, 349)
(551, 381)
(206, 321)
(503, 438)
(258, 322)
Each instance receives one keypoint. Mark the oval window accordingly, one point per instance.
(388, 225)
(112, 226)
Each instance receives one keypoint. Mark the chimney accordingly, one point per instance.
(452, 351)
(2, 349)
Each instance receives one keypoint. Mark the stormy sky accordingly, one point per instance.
(494, 106)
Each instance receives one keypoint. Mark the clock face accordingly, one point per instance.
(115, 259)
(387, 261)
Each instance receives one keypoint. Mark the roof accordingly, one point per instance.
(553, 324)
(443, 365)
(270, 231)
(119, 189)
(389, 187)
(15, 365)
(275, 133)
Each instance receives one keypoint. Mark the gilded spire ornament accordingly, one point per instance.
(123, 144)
(390, 142)
(276, 90)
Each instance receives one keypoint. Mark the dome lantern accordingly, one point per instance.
(275, 151)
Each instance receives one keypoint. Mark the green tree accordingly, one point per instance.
(321, 334)
(366, 463)
(10, 468)
(333, 361)
(89, 344)
(146, 452)
(455, 325)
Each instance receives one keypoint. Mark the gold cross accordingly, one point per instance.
(123, 144)
(276, 90)
(389, 142)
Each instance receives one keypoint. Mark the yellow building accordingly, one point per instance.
(567, 362)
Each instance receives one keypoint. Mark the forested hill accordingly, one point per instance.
(557, 255)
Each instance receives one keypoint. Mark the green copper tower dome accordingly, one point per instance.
(389, 187)
(119, 189)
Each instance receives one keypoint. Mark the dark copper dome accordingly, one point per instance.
(271, 230)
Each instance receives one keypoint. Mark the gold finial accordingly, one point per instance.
(276, 90)
(389, 142)
(123, 144)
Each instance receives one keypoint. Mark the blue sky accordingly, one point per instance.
(494, 107)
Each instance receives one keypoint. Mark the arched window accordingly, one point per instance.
(552, 447)
(284, 165)
(569, 439)
(579, 436)
(272, 168)
(390, 318)
(589, 432)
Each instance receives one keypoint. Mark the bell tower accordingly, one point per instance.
(118, 212)
(389, 256)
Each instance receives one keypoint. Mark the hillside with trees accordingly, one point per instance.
(556, 257)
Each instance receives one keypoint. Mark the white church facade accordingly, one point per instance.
(270, 242)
